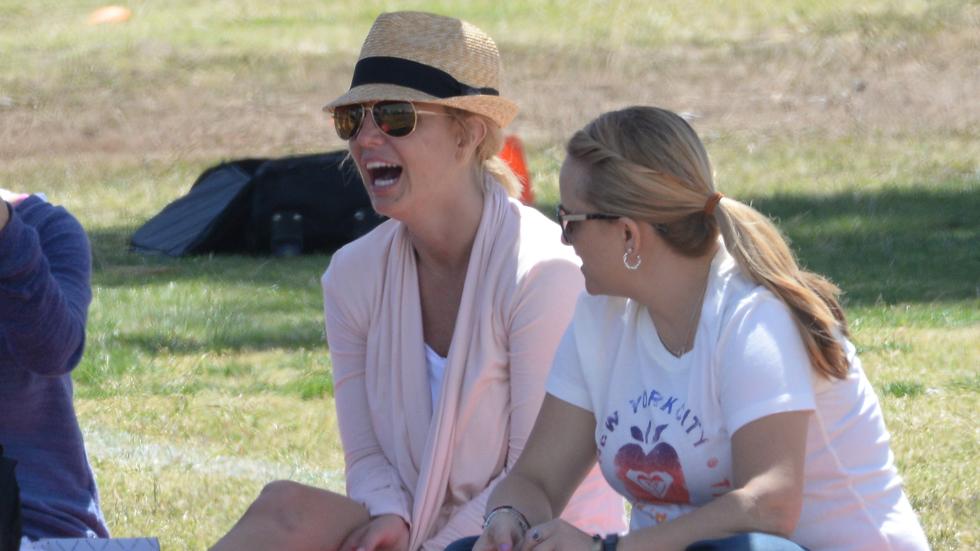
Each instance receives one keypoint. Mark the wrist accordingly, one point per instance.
(510, 512)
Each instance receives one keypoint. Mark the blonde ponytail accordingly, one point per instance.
(762, 252)
(649, 164)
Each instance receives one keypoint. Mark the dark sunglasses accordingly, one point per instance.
(395, 118)
(567, 219)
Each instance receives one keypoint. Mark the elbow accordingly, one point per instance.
(776, 512)
(62, 360)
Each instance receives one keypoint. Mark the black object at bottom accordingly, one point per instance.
(10, 515)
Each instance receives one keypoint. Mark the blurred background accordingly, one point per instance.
(854, 124)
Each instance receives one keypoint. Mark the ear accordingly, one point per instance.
(474, 130)
(632, 234)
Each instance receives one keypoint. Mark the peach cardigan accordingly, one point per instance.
(435, 467)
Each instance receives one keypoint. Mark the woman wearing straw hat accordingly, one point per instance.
(709, 373)
(442, 321)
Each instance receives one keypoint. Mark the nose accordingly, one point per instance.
(368, 134)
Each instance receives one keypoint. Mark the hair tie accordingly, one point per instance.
(712, 202)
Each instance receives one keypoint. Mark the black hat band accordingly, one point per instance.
(411, 74)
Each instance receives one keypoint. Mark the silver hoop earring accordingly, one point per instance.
(626, 261)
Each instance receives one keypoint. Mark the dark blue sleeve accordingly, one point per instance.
(45, 289)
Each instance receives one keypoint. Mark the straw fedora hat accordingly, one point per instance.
(417, 56)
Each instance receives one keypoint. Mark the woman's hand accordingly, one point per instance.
(503, 534)
(381, 533)
(556, 535)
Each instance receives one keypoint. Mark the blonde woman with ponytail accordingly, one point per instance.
(442, 321)
(707, 372)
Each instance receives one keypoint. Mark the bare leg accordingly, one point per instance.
(290, 516)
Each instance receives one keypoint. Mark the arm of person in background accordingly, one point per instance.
(45, 289)
(371, 479)
(543, 310)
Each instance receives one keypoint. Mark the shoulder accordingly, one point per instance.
(37, 212)
(57, 229)
(539, 246)
(545, 273)
(733, 296)
(600, 316)
(362, 259)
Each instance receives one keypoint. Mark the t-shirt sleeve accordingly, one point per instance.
(763, 365)
(566, 381)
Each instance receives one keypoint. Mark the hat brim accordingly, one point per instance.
(501, 111)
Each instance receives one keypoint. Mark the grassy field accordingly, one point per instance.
(854, 124)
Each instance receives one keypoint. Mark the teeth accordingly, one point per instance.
(383, 174)
(378, 164)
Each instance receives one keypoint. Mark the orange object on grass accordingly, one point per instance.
(109, 14)
(513, 155)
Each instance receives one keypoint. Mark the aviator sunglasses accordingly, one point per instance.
(394, 118)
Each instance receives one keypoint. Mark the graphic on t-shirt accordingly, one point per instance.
(654, 476)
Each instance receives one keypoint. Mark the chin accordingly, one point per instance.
(592, 288)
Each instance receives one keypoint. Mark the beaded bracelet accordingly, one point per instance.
(521, 519)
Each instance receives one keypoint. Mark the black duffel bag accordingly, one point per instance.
(308, 203)
(285, 206)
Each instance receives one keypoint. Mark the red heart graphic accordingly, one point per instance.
(653, 477)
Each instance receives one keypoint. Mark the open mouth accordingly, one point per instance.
(383, 174)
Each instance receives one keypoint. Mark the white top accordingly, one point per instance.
(436, 366)
(663, 430)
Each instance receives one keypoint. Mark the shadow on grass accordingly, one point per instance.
(301, 337)
(895, 246)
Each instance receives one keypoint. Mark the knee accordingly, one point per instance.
(278, 504)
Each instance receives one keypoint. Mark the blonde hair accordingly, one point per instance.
(488, 149)
(648, 164)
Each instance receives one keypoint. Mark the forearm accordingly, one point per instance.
(525, 495)
(739, 511)
(44, 291)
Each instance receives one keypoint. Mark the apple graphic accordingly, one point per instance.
(652, 477)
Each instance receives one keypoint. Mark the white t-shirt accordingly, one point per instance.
(436, 366)
(663, 430)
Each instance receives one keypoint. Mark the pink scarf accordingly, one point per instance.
(397, 379)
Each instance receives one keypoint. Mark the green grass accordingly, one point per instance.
(206, 377)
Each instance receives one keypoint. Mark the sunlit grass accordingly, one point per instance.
(206, 377)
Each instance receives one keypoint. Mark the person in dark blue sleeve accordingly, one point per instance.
(45, 291)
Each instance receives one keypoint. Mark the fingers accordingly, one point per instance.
(353, 540)
(497, 538)
(554, 535)
(374, 539)
(537, 536)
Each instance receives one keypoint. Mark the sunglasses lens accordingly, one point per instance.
(347, 120)
(394, 118)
